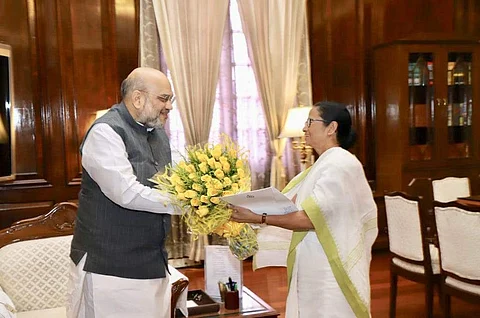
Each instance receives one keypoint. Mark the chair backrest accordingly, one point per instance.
(458, 228)
(450, 188)
(404, 225)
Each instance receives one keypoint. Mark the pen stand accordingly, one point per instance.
(231, 300)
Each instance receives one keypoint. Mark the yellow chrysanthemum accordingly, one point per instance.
(205, 199)
(211, 162)
(206, 178)
(203, 167)
(226, 167)
(195, 202)
(179, 189)
(215, 200)
(239, 164)
(241, 173)
(217, 151)
(203, 158)
(219, 174)
(182, 164)
(193, 176)
(227, 182)
(202, 211)
(197, 187)
(191, 194)
(217, 184)
(190, 168)
(212, 192)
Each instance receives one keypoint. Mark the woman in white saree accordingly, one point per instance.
(335, 227)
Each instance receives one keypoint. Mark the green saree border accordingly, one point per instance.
(325, 238)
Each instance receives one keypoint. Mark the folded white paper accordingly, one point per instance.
(268, 200)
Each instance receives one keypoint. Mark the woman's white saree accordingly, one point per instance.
(328, 268)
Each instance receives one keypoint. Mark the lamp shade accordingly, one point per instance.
(295, 122)
(4, 139)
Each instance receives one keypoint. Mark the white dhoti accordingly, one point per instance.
(100, 296)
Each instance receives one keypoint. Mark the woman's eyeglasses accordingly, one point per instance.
(310, 120)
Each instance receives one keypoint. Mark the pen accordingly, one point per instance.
(230, 283)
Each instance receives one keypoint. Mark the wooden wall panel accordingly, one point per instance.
(343, 34)
(127, 32)
(337, 50)
(69, 59)
(15, 29)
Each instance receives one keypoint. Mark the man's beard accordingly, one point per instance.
(157, 123)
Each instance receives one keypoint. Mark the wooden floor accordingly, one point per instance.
(271, 285)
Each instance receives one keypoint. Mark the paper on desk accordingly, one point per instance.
(220, 264)
(268, 200)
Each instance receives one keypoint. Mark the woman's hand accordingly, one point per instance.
(243, 215)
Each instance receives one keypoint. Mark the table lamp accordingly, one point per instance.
(293, 128)
(4, 139)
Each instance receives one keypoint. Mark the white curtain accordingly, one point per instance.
(274, 30)
(191, 35)
(238, 110)
(291, 159)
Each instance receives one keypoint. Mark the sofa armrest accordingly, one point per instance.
(7, 308)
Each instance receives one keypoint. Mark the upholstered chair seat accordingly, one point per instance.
(414, 257)
(458, 228)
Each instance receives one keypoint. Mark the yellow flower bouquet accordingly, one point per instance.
(196, 185)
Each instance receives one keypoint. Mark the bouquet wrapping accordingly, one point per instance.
(196, 185)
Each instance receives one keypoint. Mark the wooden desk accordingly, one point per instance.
(473, 200)
(250, 306)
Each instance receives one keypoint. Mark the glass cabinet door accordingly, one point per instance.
(421, 102)
(459, 104)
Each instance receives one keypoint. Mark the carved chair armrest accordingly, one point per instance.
(177, 288)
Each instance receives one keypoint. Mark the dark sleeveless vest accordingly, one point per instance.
(118, 241)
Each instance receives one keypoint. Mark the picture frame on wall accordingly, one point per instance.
(7, 136)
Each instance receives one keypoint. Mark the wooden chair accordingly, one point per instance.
(450, 188)
(458, 229)
(413, 256)
(60, 221)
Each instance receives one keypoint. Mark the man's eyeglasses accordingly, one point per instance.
(310, 120)
(165, 98)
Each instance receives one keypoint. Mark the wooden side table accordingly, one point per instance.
(250, 306)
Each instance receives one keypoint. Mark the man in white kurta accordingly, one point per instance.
(329, 267)
(118, 266)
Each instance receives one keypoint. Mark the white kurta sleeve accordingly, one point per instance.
(105, 158)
